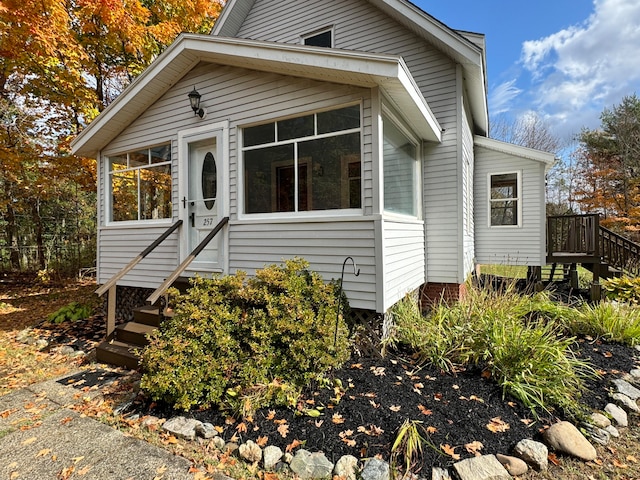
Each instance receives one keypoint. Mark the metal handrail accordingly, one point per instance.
(155, 296)
(129, 266)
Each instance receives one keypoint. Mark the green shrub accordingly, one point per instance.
(246, 343)
(516, 338)
(617, 322)
(622, 289)
(73, 312)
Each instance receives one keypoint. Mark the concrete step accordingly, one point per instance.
(134, 333)
(117, 353)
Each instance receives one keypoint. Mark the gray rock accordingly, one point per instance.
(206, 430)
(77, 354)
(515, 466)
(625, 402)
(149, 421)
(311, 465)
(230, 447)
(250, 451)
(637, 347)
(438, 473)
(346, 467)
(635, 373)
(66, 350)
(534, 453)
(627, 389)
(598, 435)
(23, 335)
(219, 443)
(375, 469)
(42, 343)
(485, 467)
(612, 431)
(564, 437)
(599, 420)
(271, 455)
(181, 427)
(619, 415)
(288, 456)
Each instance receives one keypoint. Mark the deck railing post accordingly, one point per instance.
(111, 310)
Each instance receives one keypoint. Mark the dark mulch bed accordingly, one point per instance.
(380, 394)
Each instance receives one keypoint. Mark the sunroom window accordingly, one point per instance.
(400, 164)
(504, 199)
(140, 184)
(307, 163)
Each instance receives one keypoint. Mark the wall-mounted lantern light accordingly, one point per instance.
(194, 100)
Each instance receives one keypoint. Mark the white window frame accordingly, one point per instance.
(517, 199)
(324, 214)
(402, 126)
(108, 187)
(320, 31)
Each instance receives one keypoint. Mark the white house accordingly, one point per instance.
(330, 128)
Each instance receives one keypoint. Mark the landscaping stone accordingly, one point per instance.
(250, 451)
(534, 453)
(181, 427)
(625, 402)
(42, 343)
(613, 431)
(219, 443)
(438, 473)
(485, 467)
(77, 353)
(619, 415)
(627, 389)
(150, 420)
(271, 455)
(206, 430)
(230, 447)
(24, 335)
(598, 435)
(635, 373)
(64, 350)
(599, 420)
(346, 467)
(564, 437)
(515, 466)
(311, 465)
(375, 469)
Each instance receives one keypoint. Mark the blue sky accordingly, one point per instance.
(566, 60)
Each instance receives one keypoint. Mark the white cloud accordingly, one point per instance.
(501, 97)
(578, 71)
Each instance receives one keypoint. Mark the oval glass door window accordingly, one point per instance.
(209, 180)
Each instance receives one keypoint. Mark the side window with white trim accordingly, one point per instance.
(504, 199)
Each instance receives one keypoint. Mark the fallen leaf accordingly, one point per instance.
(337, 418)
(424, 410)
(474, 447)
(29, 441)
(65, 473)
(553, 459)
(619, 464)
(283, 430)
(241, 427)
(449, 450)
(43, 452)
(84, 470)
(262, 441)
(77, 459)
(14, 475)
(161, 470)
(6, 413)
(395, 408)
(318, 423)
(193, 469)
(497, 425)
(632, 459)
(295, 444)
(378, 371)
(607, 354)
(431, 429)
(357, 366)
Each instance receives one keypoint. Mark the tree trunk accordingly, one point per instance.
(37, 220)
(12, 238)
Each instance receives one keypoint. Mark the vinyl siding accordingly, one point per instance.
(524, 245)
(325, 245)
(404, 255)
(242, 97)
(358, 25)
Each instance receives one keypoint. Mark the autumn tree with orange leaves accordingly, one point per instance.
(609, 159)
(61, 63)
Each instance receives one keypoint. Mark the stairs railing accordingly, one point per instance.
(111, 284)
(155, 296)
(619, 252)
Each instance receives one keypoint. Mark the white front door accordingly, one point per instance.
(203, 200)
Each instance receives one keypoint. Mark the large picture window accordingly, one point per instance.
(400, 163)
(504, 199)
(306, 163)
(140, 184)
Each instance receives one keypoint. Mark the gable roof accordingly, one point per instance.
(388, 72)
(464, 48)
(515, 150)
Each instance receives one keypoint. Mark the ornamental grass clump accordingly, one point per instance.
(517, 339)
(615, 322)
(244, 343)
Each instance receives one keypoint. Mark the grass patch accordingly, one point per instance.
(616, 322)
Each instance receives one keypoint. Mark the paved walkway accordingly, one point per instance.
(41, 439)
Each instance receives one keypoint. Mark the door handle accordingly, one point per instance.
(193, 219)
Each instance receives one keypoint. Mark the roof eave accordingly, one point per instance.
(516, 150)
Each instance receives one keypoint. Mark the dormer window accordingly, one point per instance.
(322, 38)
